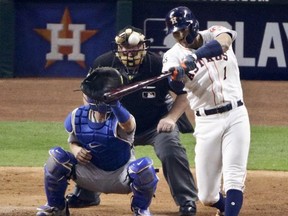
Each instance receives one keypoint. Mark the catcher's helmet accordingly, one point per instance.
(180, 18)
(130, 46)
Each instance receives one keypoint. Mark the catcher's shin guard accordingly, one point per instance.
(58, 169)
(143, 182)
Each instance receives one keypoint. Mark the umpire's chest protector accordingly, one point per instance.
(108, 152)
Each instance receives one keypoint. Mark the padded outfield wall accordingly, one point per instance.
(62, 38)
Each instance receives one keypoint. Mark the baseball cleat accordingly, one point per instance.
(76, 202)
(219, 213)
(47, 210)
(141, 212)
(187, 210)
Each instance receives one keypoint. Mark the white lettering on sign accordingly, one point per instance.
(239, 47)
(74, 42)
(271, 47)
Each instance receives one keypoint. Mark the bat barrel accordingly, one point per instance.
(128, 89)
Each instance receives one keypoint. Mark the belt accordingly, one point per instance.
(221, 109)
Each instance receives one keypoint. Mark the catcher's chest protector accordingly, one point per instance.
(108, 152)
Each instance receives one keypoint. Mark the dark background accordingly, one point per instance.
(23, 52)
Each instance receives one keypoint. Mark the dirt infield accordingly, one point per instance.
(51, 99)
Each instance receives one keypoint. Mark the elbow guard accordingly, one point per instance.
(209, 50)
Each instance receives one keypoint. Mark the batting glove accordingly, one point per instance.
(189, 62)
(177, 73)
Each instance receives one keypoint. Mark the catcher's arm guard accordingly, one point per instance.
(125, 119)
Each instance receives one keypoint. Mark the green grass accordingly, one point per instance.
(27, 144)
(269, 148)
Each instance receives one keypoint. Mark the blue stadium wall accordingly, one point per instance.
(62, 38)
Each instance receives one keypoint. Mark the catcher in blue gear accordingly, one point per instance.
(101, 157)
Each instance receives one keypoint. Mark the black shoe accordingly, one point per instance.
(75, 202)
(188, 210)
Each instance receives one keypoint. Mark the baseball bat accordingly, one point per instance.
(133, 87)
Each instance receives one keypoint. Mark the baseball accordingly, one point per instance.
(133, 39)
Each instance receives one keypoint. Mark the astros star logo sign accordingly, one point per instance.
(65, 39)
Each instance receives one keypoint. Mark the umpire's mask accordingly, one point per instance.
(130, 47)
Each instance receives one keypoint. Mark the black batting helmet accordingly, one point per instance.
(180, 18)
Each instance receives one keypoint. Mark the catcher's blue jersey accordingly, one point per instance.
(108, 152)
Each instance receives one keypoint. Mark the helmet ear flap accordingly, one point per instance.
(193, 29)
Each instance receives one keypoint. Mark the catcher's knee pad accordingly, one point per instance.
(58, 169)
(143, 182)
(60, 164)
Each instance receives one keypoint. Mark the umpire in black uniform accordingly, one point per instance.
(157, 117)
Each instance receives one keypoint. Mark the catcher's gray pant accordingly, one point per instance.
(174, 161)
(92, 178)
(175, 164)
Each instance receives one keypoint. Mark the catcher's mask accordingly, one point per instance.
(97, 83)
(181, 18)
(130, 46)
(97, 105)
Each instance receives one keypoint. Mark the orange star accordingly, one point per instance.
(65, 33)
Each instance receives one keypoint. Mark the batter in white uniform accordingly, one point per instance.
(204, 64)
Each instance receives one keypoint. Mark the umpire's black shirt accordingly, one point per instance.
(149, 104)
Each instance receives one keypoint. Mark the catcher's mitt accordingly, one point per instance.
(99, 81)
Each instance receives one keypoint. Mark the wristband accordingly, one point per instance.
(120, 112)
(211, 49)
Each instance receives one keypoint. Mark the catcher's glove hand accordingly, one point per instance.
(99, 81)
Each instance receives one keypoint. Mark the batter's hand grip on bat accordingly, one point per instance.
(177, 73)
